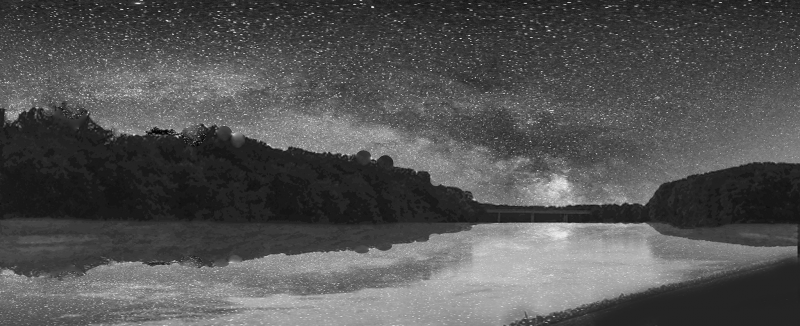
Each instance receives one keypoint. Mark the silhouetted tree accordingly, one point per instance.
(363, 157)
(386, 161)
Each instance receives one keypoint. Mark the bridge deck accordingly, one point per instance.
(564, 213)
(538, 211)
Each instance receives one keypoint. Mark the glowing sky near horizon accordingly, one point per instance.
(545, 103)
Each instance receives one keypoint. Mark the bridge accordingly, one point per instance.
(545, 215)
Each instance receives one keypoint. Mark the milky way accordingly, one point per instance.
(545, 103)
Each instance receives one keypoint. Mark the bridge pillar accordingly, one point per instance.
(498, 217)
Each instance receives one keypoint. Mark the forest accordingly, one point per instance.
(60, 163)
(764, 192)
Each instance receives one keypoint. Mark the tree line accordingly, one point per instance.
(59, 162)
(762, 192)
(79, 169)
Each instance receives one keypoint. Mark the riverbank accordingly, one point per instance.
(676, 304)
(762, 296)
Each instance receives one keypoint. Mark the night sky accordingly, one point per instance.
(544, 103)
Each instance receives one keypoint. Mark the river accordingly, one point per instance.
(490, 275)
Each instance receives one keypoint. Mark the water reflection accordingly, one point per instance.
(488, 275)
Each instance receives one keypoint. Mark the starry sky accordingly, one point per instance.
(522, 103)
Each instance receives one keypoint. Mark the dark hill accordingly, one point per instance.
(751, 193)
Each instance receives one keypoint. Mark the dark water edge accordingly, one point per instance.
(765, 295)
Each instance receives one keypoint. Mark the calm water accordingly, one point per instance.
(486, 276)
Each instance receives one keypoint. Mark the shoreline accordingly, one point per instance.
(588, 314)
(763, 295)
(757, 235)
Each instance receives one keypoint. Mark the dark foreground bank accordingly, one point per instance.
(768, 296)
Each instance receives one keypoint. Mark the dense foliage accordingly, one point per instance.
(49, 168)
(751, 193)
(60, 163)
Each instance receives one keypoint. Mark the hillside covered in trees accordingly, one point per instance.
(60, 163)
(751, 193)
